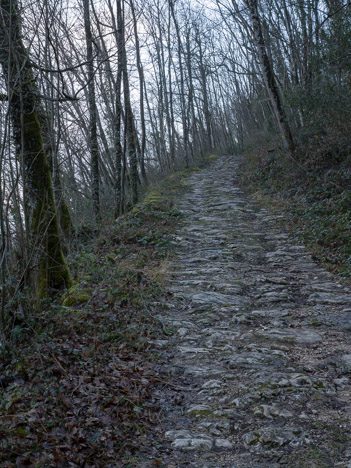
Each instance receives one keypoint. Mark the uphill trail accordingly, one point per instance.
(258, 361)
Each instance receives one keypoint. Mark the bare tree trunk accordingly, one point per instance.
(203, 81)
(51, 138)
(305, 43)
(141, 91)
(173, 133)
(129, 122)
(64, 217)
(182, 88)
(165, 107)
(118, 148)
(93, 141)
(269, 78)
(191, 107)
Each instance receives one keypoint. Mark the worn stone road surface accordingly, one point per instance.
(259, 363)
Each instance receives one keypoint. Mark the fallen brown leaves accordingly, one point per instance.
(77, 390)
(77, 401)
(76, 386)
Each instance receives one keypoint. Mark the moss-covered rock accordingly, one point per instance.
(212, 157)
(155, 199)
(76, 296)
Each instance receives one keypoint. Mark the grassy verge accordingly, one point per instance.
(317, 203)
(77, 376)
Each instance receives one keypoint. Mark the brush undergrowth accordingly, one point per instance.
(317, 202)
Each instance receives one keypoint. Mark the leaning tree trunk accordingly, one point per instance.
(269, 78)
(51, 271)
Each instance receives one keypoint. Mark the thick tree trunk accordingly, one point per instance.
(51, 270)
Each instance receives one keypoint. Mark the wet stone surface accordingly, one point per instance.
(258, 366)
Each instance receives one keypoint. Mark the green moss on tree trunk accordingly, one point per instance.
(51, 271)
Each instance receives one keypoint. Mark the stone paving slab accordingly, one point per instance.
(259, 365)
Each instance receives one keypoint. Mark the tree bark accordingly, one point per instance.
(182, 87)
(93, 141)
(269, 78)
(51, 271)
(203, 81)
(64, 216)
(129, 118)
(141, 91)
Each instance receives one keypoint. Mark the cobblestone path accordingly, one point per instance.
(259, 354)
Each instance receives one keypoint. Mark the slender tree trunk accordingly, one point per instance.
(172, 143)
(141, 91)
(165, 109)
(118, 147)
(305, 44)
(191, 116)
(129, 119)
(93, 140)
(64, 217)
(51, 138)
(51, 271)
(182, 87)
(203, 80)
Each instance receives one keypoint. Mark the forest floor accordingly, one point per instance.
(198, 333)
(76, 375)
(257, 363)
